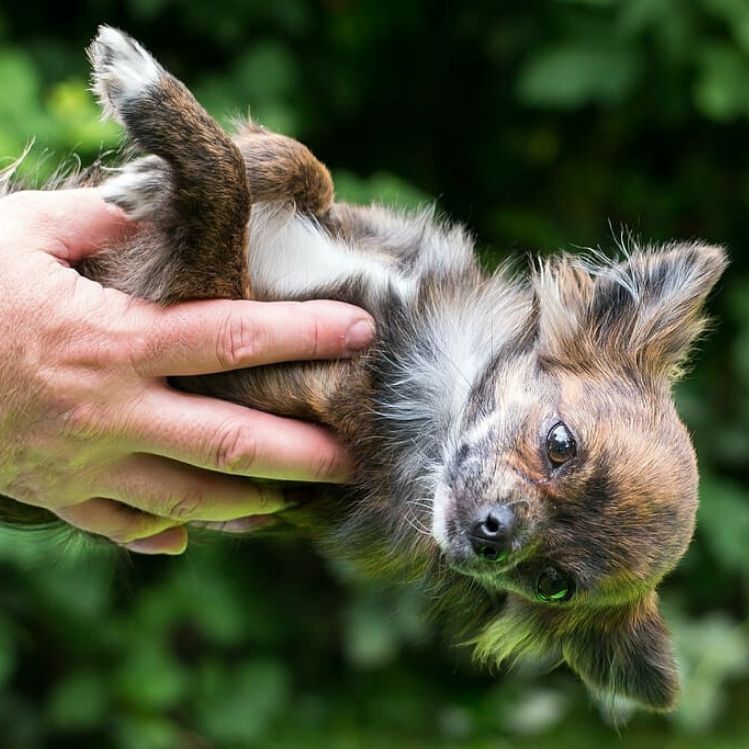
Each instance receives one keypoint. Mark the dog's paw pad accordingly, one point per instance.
(138, 187)
(122, 70)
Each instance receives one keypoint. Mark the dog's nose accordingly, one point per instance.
(491, 536)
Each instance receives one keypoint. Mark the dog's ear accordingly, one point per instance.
(618, 651)
(646, 311)
(627, 653)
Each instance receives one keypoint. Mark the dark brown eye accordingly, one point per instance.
(553, 587)
(560, 444)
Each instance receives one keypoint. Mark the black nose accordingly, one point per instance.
(491, 536)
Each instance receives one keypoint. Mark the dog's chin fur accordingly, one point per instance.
(452, 406)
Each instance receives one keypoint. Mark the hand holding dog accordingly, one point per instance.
(91, 430)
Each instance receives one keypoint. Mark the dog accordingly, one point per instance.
(518, 453)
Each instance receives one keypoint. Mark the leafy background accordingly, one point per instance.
(540, 125)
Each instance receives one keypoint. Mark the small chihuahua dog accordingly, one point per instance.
(518, 451)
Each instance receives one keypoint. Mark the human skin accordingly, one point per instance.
(90, 428)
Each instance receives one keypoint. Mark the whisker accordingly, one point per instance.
(416, 524)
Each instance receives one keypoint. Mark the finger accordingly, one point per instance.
(69, 224)
(170, 541)
(228, 438)
(215, 336)
(116, 521)
(163, 487)
(241, 525)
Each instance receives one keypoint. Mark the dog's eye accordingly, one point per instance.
(560, 444)
(553, 587)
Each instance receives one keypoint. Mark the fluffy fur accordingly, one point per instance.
(518, 452)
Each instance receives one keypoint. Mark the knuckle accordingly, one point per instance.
(141, 351)
(81, 361)
(314, 338)
(240, 341)
(187, 506)
(82, 420)
(237, 450)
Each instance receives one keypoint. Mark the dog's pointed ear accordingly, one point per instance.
(618, 651)
(627, 653)
(647, 310)
(652, 304)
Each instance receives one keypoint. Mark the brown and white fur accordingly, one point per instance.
(477, 385)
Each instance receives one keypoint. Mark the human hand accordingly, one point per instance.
(89, 427)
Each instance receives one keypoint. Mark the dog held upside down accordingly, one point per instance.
(518, 454)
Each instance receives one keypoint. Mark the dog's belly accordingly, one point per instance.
(292, 256)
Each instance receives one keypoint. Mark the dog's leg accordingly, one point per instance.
(192, 193)
(280, 169)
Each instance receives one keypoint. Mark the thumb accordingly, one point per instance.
(68, 224)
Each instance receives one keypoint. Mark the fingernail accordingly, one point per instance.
(146, 546)
(359, 335)
(159, 544)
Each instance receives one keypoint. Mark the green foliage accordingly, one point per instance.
(382, 187)
(541, 125)
(573, 74)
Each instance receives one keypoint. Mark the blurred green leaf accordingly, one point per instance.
(240, 704)
(21, 115)
(263, 82)
(150, 678)
(380, 187)
(79, 702)
(215, 609)
(713, 650)
(724, 519)
(720, 90)
(78, 118)
(736, 15)
(378, 623)
(568, 76)
(149, 732)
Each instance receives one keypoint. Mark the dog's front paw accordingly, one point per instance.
(138, 188)
(122, 71)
